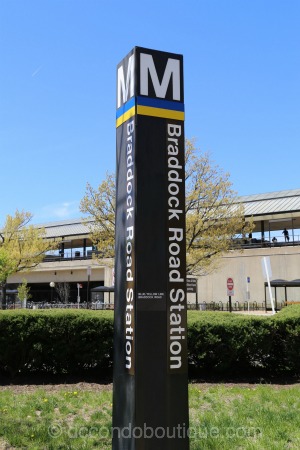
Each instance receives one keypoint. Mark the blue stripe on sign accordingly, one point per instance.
(159, 103)
(124, 108)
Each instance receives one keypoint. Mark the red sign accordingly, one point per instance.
(230, 286)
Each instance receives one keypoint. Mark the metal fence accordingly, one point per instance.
(84, 305)
(48, 305)
(236, 306)
(202, 306)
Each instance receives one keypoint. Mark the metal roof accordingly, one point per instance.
(103, 289)
(268, 204)
(271, 203)
(284, 283)
(75, 227)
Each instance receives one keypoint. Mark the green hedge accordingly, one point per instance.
(286, 346)
(60, 341)
(56, 341)
(224, 343)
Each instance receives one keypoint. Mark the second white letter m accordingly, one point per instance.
(172, 70)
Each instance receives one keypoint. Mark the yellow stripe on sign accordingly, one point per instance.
(158, 112)
(125, 116)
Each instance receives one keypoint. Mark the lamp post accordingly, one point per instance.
(52, 285)
(89, 271)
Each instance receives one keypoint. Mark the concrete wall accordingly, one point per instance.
(66, 271)
(285, 264)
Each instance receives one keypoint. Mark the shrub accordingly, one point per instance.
(228, 343)
(241, 344)
(55, 341)
(60, 341)
(286, 345)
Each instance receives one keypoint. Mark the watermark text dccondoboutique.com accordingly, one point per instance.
(181, 431)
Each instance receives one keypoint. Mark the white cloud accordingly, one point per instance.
(36, 71)
(58, 211)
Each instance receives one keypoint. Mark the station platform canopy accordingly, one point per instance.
(270, 212)
(273, 211)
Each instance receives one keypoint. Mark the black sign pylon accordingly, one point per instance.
(150, 397)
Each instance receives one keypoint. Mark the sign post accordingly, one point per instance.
(150, 394)
(230, 291)
(79, 286)
(248, 293)
(89, 272)
(191, 287)
(267, 272)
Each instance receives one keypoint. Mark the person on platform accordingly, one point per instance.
(286, 235)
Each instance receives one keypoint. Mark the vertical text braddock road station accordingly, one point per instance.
(150, 408)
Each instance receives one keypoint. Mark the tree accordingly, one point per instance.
(63, 290)
(24, 292)
(100, 205)
(22, 246)
(213, 214)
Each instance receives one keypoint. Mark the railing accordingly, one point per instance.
(84, 305)
(246, 243)
(71, 255)
(224, 306)
(273, 241)
(202, 306)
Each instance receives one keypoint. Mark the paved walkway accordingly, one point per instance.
(255, 313)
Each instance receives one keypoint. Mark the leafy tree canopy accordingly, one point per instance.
(24, 291)
(213, 214)
(22, 246)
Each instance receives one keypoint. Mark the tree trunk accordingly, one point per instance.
(3, 289)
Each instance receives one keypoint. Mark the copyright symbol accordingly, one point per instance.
(54, 430)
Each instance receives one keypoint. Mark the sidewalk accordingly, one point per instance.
(255, 313)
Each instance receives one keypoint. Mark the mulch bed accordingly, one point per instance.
(93, 382)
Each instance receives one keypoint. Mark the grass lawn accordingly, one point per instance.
(225, 417)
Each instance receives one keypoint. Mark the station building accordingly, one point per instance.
(272, 214)
(75, 261)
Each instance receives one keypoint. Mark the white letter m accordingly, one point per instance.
(128, 87)
(172, 68)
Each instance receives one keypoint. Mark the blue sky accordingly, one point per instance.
(58, 83)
